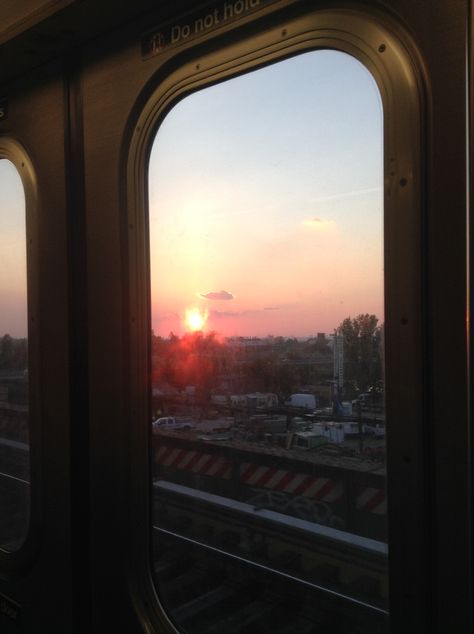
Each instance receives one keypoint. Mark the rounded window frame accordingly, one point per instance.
(12, 150)
(388, 53)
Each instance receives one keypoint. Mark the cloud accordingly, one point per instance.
(219, 314)
(217, 295)
(319, 223)
(350, 194)
(223, 314)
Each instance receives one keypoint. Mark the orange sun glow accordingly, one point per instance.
(194, 319)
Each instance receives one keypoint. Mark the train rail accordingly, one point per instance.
(14, 492)
(266, 557)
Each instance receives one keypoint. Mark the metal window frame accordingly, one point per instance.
(14, 151)
(387, 51)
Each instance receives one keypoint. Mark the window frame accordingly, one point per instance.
(12, 150)
(388, 52)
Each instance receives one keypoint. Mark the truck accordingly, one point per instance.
(303, 401)
(170, 423)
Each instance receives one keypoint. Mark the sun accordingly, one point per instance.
(194, 319)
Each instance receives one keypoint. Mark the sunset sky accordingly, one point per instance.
(265, 205)
(266, 202)
(13, 316)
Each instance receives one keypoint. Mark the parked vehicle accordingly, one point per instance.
(377, 430)
(305, 401)
(171, 423)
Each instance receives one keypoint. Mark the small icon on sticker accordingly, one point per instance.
(157, 42)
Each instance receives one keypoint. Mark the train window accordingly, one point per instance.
(267, 309)
(14, 424)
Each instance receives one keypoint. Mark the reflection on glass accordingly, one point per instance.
(268, 430)
(14, 435)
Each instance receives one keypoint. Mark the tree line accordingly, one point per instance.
(282, 367)
(13, 353)
(363, 352)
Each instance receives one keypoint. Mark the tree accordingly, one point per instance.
(362, 350)
(192, 359)
(6, 351)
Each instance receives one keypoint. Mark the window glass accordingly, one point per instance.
(267, 286)
(14, 433)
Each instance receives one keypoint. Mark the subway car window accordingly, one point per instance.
(266, 211)
(14, 429)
